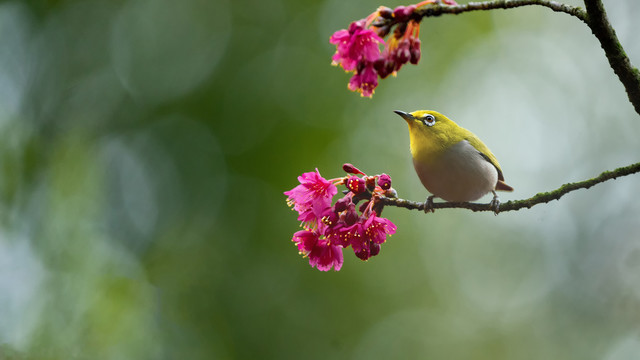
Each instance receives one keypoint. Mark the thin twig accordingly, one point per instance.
(514, 205)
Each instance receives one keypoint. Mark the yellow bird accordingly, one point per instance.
(451, 162)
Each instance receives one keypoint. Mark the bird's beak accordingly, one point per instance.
(408, 117)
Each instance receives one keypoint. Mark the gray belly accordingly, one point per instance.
(460, 174)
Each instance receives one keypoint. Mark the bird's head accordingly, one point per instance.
(430, 125)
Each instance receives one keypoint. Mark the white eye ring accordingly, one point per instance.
(429, 120)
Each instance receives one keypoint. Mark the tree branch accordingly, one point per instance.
(595, 17)
(620, 63)
(515, 205)
(437, 10)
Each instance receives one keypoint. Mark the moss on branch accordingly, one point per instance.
(437, 10)
(594, 16)
(618, 59)
(514, 205)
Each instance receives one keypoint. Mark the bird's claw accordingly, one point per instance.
(495, 204)
(428, 205)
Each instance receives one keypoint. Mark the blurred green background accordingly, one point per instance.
(145, 146)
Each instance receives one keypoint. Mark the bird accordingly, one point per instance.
(452, 163)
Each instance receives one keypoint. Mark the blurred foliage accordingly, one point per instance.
(145, 146)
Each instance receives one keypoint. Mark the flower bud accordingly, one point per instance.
(415, 51)
(383, 67)
(349, 168)
(356, 185)
(403, 13)
(363, 254)
(378, 65)
(351, 217)
(399, 13)
(356, 25)
(403, 53)
(383, 31)
(388, 69)
(385, 12)
(374, 249)
(398, 66)
(342, 204)
(384, 181)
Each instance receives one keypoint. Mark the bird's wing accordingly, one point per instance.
(484, 152)
(492, 159)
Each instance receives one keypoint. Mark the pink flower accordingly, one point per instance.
(364, 81)
(312, 196)
(344, 235)
(374, 232)
(305, 240)
(377, 228)
(342, 40)
(324, 256)
(355, 45)
(358, 48)
(359, 241)
(329, 229)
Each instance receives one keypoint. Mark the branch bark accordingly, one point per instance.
(515, 205)
(595, 17)
(618, 59)
(437, 10)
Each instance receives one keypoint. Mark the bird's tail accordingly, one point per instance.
(502, 186)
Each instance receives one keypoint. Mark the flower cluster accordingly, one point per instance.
(358, 47)
(327, 228)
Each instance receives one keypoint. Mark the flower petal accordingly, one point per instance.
(325, 256)
(305, 240)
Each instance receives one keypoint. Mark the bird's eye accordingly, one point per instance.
(429, 120)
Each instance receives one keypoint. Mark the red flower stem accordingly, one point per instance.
(413, 30)
(408, 31)
(370, 18)
(339, 181)
(369, 207)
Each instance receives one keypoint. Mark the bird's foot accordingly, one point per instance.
(428, 205)
(495, 204)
